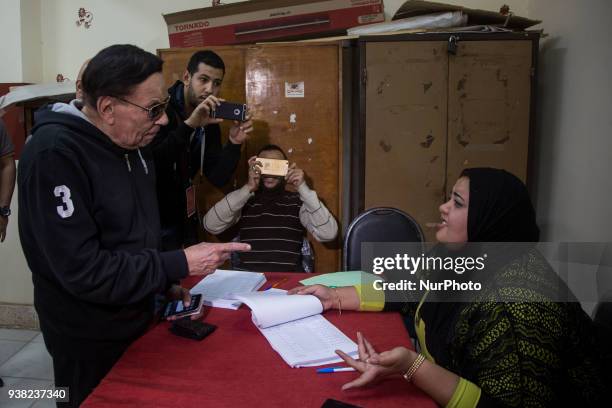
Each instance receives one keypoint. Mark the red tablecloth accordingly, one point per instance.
(235, 366)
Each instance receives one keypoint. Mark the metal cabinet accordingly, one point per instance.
(431, 105)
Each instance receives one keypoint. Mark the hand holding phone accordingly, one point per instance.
(177, 309)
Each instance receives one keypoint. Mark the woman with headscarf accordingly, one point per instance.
(519, 341)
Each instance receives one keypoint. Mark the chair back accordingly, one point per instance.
(381, 224)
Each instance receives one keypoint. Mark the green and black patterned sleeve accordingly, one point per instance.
(526, 354)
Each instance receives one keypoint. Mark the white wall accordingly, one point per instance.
(10, 46)
(138, 22)
(31, 51)
(573, 191)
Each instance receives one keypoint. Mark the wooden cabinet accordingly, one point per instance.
(307, 127)
(432, 105)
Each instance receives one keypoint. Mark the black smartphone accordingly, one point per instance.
(176, 307)
(230, 110)
(332, 403)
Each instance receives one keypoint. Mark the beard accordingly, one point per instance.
(266, 190)
(191, 98)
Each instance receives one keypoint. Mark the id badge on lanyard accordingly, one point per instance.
(191, 203)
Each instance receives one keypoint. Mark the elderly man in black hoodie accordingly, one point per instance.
(89, 221)
(190, 142)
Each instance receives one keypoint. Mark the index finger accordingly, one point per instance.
(205, 104)
(303, 290)
(295, 290)
(357, 365)
(216, 100)
(369, 347)
(361, 348)
(233, 247)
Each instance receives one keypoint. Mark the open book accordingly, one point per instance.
(218, 289)
(295, 328)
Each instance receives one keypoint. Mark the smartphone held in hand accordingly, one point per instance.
(231, 111)
(176, 308)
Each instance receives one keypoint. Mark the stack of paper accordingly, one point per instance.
(219, 289)
(295, 329)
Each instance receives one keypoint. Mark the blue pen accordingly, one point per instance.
(334, 370)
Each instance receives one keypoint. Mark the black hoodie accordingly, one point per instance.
(89, 228)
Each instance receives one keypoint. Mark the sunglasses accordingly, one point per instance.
(155, 111)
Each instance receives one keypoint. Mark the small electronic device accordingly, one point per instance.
(176, 307)
(332, 403)
(273, 167)
(191, 329)
(230, 110)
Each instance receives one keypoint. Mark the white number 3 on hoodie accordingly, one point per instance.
(67, 208)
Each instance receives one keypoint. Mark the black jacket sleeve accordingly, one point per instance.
(59, 204)
(220, 162)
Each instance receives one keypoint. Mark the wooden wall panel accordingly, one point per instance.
(306, 128)
(489, 97)
(406, 113)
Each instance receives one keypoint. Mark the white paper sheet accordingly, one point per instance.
(219, 288)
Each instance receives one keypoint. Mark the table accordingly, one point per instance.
(236, 366)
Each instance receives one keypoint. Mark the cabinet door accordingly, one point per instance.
(488, 106)
(405, 129)
(306, 125)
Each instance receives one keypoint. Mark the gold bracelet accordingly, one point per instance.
(339, 302)
(414, 367)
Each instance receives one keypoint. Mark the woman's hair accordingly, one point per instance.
(500, 209)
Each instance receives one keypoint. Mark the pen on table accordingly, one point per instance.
(334, 370)
(277, 283)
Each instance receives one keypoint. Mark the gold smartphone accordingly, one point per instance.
(273, 167)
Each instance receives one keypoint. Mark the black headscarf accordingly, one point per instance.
(500, 209)
(500, 214)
